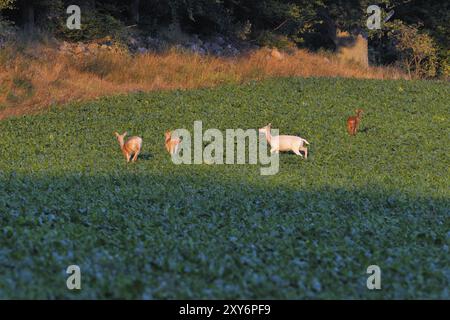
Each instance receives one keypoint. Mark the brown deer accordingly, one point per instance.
(353, 122)
(131, 146)
(172, 144)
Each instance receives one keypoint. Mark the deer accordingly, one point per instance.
(172, 144)
(353, 122)
(132, 146)
(284, 142)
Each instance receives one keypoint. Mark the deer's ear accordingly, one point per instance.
(125, 133)
(116, 134)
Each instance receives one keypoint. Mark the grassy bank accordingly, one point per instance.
(35, 77)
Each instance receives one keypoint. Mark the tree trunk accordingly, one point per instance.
(135, 11)
(28, 16)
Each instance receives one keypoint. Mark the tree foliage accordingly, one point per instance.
(6, 4)
(417, 50)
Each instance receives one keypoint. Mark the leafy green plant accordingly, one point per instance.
(155, 230)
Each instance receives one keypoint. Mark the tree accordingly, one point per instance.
(27, 9)
(28, 15)
(134, 11)
(6, 4)
(417, 50)
(433, 17)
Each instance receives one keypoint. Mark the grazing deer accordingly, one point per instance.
(132, 146)
(172, 144)
(353, 122)
(284, 143)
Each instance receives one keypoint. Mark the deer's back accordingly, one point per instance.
(133, 144)
(285, 142)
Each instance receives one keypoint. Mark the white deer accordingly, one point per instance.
(284, 143)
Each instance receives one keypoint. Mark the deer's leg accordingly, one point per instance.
(297, 152)
(136, 155)
(305, 150)
(125, 154)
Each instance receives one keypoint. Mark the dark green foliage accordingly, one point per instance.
(157, 230)
(434, 16)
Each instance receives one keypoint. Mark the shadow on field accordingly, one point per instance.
(158, 236)
(366, 129)
(145, 156)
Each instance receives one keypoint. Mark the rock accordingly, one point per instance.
(142, 50)
(218, 46)
(220, 41)
(230, 51)
(132, 41)
(196, 48)
(215, 49)
(92, 47)
(79, 48)
(196, 40)
(155, 44)
(274, 53)
(64, 45)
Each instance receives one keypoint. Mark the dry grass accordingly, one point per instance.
(41, 76)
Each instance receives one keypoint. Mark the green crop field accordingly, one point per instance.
(156, 230)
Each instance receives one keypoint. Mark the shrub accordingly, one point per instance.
(417, 50)
(273, 40)
(96, 23)
(7, 31)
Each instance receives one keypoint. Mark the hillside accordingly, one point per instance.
(40, 76)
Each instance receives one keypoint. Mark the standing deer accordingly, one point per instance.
(172, 144)
(284, 143)
(353, 122)
(132, 146)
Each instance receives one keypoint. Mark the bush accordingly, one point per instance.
(7, 31)
(417, 51)
(273, 40)
(96, 23)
